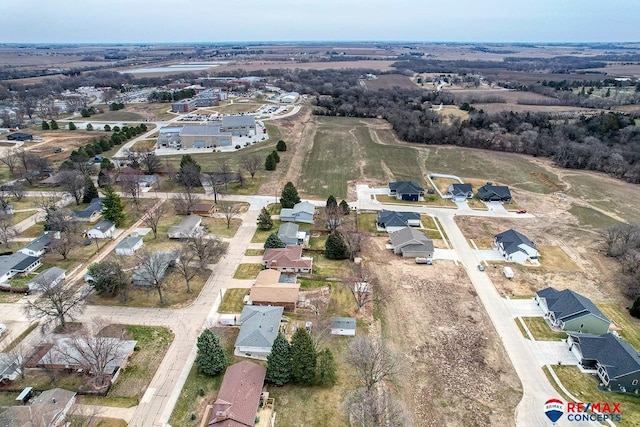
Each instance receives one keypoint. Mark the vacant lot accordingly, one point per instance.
(390, 81)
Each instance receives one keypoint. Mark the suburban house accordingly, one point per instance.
(102, 230)
(615, 361)
(494, 193)
(393, 221)
(51, 407)
(200, 208)
(130, 175)
(129, 245)
(239, 396)
(91, 213)
(287, 260)
(260, 326)
(289, 234)
(20, 136)
(343, 326)
(17, 263)
(275, 288)
(186, 228)
(53, 180)
(301, 212)
(10, 367)
(406, 190)
(516, 247)
(572, 312)
(411, 243)
(239, 125)
(50, 276)
(460, 192)
(38, 246)
(160, 263)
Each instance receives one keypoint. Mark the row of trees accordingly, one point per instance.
(622, 242)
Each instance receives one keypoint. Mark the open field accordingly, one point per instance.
(390, 81)
(116, 116)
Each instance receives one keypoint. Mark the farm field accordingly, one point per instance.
(390, 81)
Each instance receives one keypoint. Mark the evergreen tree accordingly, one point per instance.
(107, 128)
(344, 206)
(281, 146)
(270, 163)
(53, 125)
(189, 174)
(72, 126)
(289, 196)
(113, 208)
(211, 358)
(264, 220)
(336, 247)
(326, 369)
(303, 357)
(89, 126)
(331, 202)
(273, 241)
(279, 362)
(45, 125)
(275, 156)
(635, 309)
(90, 191)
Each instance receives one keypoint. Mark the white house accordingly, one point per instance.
(102, 230)
(129, 245)
(17, 263)
(516, 247)
(38, 246)
(343, 326)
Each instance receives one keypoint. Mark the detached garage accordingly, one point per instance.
(343, 326)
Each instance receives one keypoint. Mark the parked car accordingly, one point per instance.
(522, 211)
(3, 329)
(58, 150)
(480, 267)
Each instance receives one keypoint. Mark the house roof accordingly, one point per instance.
(461, 189)
(411, 238)
(48, 276)
(187, 226)
(9, 364)
(298, 208)
(65, 352)
(129, 242)
(617, 355)
(567, 304)
(202, 130)
(94, 206)
(343, 323)
(406, 187)
(238, 120)
(288, 229)
(275, 287)
(104, 225)
(289, 257)
(18, 262)
(40, 243)
(259, 326)
(396, 219)
(239, 395)
(53, 179)
(49, 406)
(143, 277)
(512, 239)
(488, 190)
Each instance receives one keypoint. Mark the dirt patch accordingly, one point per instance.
(546, 181)
(453, 356)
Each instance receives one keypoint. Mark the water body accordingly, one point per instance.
(185, 66)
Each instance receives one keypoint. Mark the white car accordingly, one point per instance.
(3, 329)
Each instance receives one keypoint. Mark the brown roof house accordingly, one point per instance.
(239, 396)
(200, 208)
(274, 288)
(287, 260)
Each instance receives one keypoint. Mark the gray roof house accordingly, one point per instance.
(102, 230)
(164, 260)
(616, 362)
(393, 221)
(301, 212)
(186, 228)
(17, 263)
(38, 246)
(494, 193)
(91, 213)
(460, 192)
(51, 406)
(516, 247)
(129, 245)
(411, 243)
(50, 276)
(289, 234)
(406, 190)
(343, 326)
(10, 367)
(260, 326)
(572, 312)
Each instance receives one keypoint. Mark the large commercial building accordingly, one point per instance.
(209, 135)
(239, 125)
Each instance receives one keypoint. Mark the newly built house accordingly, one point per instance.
(572, 312)
(391, 221)
(494, 193)
(460, 192)
(411, 243)
(406, 190)
(516, 247)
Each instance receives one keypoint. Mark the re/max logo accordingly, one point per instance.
(597, 407)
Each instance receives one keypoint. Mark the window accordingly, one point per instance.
(634, 382)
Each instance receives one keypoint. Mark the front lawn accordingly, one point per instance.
(541, 330)
(248, 271)
(218, 226)
(233, 300)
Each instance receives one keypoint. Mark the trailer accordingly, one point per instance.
(508, 273)
(227, 319)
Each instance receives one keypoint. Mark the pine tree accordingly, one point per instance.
(344, 206)
(289, 196)
(90, 191)
(211, 358)
(331, 202)
(336, 248)
(270, 163)
(303, 357)
(273, 241)
(45, 125)
(53, 125)
(279, 362)
(635, 309)
(281, 146)
(72, 126)
(326, 369)
(275, 156)
(113, 208)
(264, 220)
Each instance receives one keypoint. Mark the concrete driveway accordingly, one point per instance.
(496, 207)
(523, 307)
(489, 255)
(449, 254)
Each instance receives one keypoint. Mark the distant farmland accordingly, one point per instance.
(389, 81)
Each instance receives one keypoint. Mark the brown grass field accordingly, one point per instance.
(390, 81)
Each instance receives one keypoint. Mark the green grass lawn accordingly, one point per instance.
(248, 271)
(311, 283)
(116, 116)
(79, 421)
(540, 330)
(318, 242)
(233, 300)
(218, 226)
(621, 317)
(323, 266)
(274, 208)
(254, 252)
(592, 218)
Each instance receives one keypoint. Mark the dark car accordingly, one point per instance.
(480, 267)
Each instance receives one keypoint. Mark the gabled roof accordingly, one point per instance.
(18, 262)
(94, 206)
(567, 304)
(239, 395)
(288, 229)
(259, 326)
(104, 225)
(48, 276)
(186, 227)
(511, 241)
(142, 276)
(289, 257)
(343, 323)
(488, 190)
(617, 355)
(41, 242)
(67, 352)
(307, 207)
(129, 242)
(406, 187)
(461, 189)
(238, 120)
(410, 238)
(396, 219)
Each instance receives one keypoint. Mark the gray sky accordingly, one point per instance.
(106, 21)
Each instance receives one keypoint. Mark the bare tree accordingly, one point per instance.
(150, 162)
(66, 242)
(206, 248)
(251, 164)
(372, 361)
(11, 159)
(152, 268)
(373, 408)
(212, 180)
(185, 201)
(88, 348)
(187, 265)
(17, 358)
(17, 190)
(229, 211)
(57, 302)
(619, 239)
(72, 183)
(153, 216)
(5, 198)
(7, 231)
(225, 173)
(130, 183)
(361, 286)
(334, 217)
